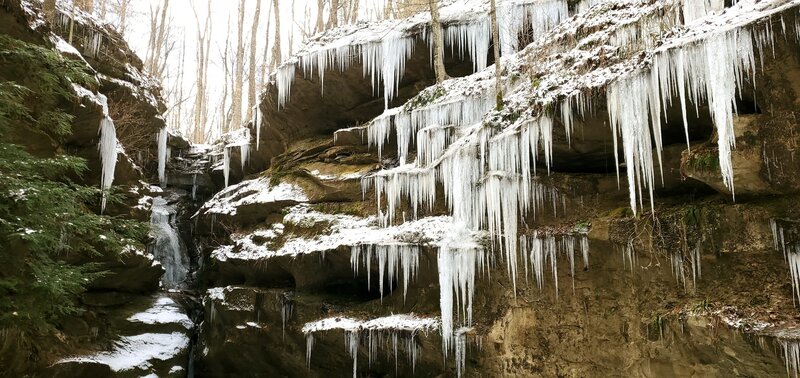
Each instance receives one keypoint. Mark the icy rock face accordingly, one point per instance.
(623, 66)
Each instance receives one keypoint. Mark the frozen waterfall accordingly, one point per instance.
(168, 247)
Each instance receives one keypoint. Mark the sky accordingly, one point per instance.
(183, 23)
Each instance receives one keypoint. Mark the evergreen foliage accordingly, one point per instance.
(48, 235)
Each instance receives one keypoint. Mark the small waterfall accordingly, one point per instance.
(168, 247)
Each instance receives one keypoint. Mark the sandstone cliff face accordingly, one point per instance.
(694, 286)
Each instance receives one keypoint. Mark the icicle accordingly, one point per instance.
(628, 112)
(456, 275)
(585, 251)
(226, 164)
(284, 78)
(309, 347)
(244, 149)
(108, 150)
(473, 37)
(194, 186)
(696, 268)
(163, 136)
(257, 124)
(791, 356)
(460, 341)
(351, 343)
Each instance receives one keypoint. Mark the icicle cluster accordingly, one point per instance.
(457, 268)
(791, 356)
(712, 69)
(395, 333)
(384, 59)
(545, 248)
(391, 259)
(163, 152)
(791, 253)
(108, 150)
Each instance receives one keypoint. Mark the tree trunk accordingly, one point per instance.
(353, 11)
(276, 46)
(320, 16)
(123, 16)
(203, 45)
(160, 42)
(103, 9)
(291, 29)
(497, 69)
(265, 59)
(238, 81)
(251, 89)
(333, 16)
(72, 23)
(438, 42)
(49, 9)
(85, 5)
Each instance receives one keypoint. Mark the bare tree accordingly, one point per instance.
(238, 84)
(121, 9)
(200, 131)
(265, 59)
(251, 89)
(354, 11)
(84, 5)
(497, 68)
(320, 16)
(333, 16)
(49, 9)
(159, 46)
(291, 29)
(103, 9)
(438, 42)
(228, 66)
(276, 47)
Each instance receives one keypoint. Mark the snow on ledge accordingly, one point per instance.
(401, 322)
(348, 231)
(256, 191)
(137, 352)
(163, 311)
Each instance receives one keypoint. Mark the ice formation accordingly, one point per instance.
(791, 356)
(485, 161)
(394, 332)
(163, 151)
(458, 262)
(391, 259)
(546, 247)
(226, 164)
(383, 54)
(108, 150)
(168, 247)
(784, 242)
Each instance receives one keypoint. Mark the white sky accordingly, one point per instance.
(183, 22)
